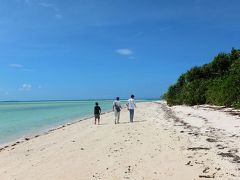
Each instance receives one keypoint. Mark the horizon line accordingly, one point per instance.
(91, 99)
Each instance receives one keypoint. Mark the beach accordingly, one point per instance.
(163, 142)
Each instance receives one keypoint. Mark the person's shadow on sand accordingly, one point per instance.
(132, 122)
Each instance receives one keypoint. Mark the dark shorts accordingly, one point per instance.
(97, 116)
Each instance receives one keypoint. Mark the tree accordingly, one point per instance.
(217, 82)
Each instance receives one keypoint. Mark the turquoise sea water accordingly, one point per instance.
(21, 119)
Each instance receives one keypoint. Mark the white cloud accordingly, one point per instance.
(26, 87)
(18, 66)
(52, 7)
(124, 52)
(46, 4)
(58, 16)
(28, 70)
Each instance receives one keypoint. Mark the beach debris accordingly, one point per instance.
(233, 150)
(211, 140)
(189, 163)
(27, 139)
(129, 169)
(82, 149)
(198, 148)
(226, 154)
(178, 125)
(236, 158)
(219, 146)
(196, 134)
(206, 170)
(207, 176)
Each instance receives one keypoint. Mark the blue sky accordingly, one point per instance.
(80, 49)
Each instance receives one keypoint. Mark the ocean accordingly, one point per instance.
(22, 119)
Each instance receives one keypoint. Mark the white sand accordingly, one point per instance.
(162, 143)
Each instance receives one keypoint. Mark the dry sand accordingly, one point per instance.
(163, 143)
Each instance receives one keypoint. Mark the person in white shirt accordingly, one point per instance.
(131, 106)
(117, 108)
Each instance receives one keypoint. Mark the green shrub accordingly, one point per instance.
(215, 83)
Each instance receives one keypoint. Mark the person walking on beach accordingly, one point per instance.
(131, 106)
(117, 108)
(97, 112)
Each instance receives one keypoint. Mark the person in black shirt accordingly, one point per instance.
(97, 112)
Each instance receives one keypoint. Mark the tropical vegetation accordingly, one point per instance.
(217, 83)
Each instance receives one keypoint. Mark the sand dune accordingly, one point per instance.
(163, 143)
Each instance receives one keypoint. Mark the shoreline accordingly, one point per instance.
(46, 131)
(162, 143)
(5, 146)
(31, 132)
